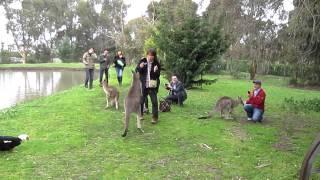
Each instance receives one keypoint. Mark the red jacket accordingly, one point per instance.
(258, 100)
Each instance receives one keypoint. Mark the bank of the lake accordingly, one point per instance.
(73, 136)
(42, 66)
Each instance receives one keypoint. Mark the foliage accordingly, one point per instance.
(303, 35)
(304, 105)
(190, 45)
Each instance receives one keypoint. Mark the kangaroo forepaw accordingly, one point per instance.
(141, 130)
(125, 133)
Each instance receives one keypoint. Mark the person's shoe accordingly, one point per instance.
(85, 86)
(249, 119)
(154, 120)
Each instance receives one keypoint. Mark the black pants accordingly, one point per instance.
(7, 142)
(104, 71)
(177, 98)
(154, 100)
(89, 77)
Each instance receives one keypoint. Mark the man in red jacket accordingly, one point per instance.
(255, 104)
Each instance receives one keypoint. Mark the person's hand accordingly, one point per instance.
(250, 94)
(155, 68)
(141, 65)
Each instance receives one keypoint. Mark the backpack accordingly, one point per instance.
(165, 106)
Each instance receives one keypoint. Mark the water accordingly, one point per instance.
(20, 86)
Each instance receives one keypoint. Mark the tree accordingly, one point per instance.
(304, 38)
(190, 44)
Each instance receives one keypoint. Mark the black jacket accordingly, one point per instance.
(104, 61)
(179, 90)
(154, 75)
(123, 60)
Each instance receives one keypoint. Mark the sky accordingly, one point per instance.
(137, 8)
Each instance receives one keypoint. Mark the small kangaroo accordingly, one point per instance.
(132, 103)
(225, 104)
(112, 94)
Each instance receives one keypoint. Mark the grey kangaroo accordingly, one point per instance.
(112, 94)
(224, 105)
(132, 103)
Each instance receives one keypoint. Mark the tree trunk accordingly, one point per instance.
(253, 69)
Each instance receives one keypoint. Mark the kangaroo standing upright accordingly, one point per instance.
(112, 94)
(132, 103)
(223, 105)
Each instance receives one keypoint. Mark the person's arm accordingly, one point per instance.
(157, 70)
(140, 67)
(84, 59)
(124, 62)
(95, 57)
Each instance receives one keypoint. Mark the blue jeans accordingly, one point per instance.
(119, 71)
(104, 71)
(255, 113)
(89, 78)
(119, 74)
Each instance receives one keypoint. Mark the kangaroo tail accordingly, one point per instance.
(126, 123)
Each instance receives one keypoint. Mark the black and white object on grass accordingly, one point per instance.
(7, 143)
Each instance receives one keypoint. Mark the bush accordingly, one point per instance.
(190, 54)
(302, 105)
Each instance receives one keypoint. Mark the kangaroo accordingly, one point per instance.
(225, 104)
(132, 103)
(112, 94)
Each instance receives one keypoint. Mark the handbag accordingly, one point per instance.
(164, 106)
(153, 83)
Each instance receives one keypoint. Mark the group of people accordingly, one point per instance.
(149, 69)
(90, 58)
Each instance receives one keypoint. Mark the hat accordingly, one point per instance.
(257, 82)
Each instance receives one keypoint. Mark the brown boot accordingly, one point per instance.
(154, 120)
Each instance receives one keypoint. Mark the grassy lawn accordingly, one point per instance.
(43, 65)
(74, 137)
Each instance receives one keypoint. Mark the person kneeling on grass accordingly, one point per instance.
(255, 104)
(7, 143)
(178, 93)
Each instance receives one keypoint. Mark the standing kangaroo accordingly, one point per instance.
(223, 105)
(132, 103)
(112, 94)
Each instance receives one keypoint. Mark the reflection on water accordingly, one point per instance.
(19, 86)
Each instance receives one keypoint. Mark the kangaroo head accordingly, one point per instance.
(135, 75)
(104, 83)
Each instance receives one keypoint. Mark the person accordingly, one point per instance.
(120, 63)
(88, 59)
(255, 104)
(7, 143)
(177, 93)
(104, 66)
(149, 70)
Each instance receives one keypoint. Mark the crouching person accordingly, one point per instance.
(7, 143)
(177, 93)
(255, 104)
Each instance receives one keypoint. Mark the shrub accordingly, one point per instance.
(302, 105)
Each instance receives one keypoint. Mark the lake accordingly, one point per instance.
(19, 86)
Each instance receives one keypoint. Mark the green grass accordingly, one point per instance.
(43, 65)
(73, 136)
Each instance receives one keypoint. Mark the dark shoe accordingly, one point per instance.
(85, 86)
(154, 120)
